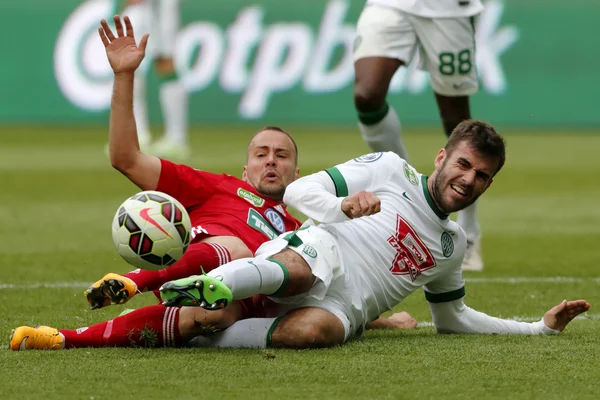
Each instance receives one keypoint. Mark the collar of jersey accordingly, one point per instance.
(435, 209)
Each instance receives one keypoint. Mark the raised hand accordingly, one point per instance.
(559, 316)
(123, 54)
(361, 204)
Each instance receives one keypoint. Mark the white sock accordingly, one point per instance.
(385, 134)
(247, 277)
(467, 219)
(140, 109)
(174, 105)
(249, 333)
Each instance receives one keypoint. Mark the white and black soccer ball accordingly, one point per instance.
(151, 230)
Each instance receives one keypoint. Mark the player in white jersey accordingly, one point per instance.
(385, 233)
(161, 19)
(389, 35)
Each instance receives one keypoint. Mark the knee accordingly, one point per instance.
(368, 98)
(308, 336)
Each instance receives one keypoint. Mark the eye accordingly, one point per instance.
(281, 156)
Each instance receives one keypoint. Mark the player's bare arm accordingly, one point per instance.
(125, 57)
(361, 204)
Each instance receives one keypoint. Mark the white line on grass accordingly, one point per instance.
(501, 280)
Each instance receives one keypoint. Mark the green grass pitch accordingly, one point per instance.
(541, 224)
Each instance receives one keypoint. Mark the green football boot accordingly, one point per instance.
(196, 291)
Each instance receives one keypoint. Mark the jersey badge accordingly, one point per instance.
(310, 251)
(367, 158)
(275, 220)
(411, 174)
(447, 245)
(251, 198)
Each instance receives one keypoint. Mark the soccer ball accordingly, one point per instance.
(151, 230)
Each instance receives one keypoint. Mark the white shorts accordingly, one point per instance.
(446, 46)
(331, 290)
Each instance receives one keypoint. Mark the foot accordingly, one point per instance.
(199, 290)
(473, 260)
(111, 289)
(166, 148)
(38, 338)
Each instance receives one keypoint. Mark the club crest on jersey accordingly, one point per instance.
(367, 158)
(251, 198)
(275, 220)
(447, 245)
(310, 251)
(411, 174)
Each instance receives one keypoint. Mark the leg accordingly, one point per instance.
(283, 274)
(385, 41)
(204, 256)
(308, 327)
(173, 97)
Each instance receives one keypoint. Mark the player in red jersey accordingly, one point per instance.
(231, 218)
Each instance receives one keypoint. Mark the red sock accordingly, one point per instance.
(151, 326)
(198, 257)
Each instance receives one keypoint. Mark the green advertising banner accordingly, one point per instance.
(286, 61)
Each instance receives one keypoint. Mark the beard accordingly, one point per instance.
(272, 191)
(438, 198)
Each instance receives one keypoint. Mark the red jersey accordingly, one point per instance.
(223, 205)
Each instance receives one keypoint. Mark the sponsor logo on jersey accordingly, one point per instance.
(412, 255)
(251, 198)
(406, 196)
(275, 220)
(280, 208)
(447, 245)
(367, 158)
(411, 174)
(256, 221)
(310, 251)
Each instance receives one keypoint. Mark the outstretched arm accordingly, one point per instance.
(125, 57)
(455, 317)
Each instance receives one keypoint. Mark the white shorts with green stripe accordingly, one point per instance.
(331, 290)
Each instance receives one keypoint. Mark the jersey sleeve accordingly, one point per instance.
(319, 196)
(188, 185)
(447, 287)
(455, 317)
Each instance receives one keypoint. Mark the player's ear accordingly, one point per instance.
(439, 159)
(297, 173)
(245, 174)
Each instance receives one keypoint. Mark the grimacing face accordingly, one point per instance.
(461, 175)
(271, 164)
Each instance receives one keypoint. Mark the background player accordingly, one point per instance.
(389, 33)
(162, 19)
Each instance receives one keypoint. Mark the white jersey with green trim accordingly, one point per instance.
(410, 243)
(434, 8)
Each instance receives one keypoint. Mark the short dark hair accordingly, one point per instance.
(278, 129)
(482, 137)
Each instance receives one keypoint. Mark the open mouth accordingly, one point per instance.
(459, 190)
(271, 176)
